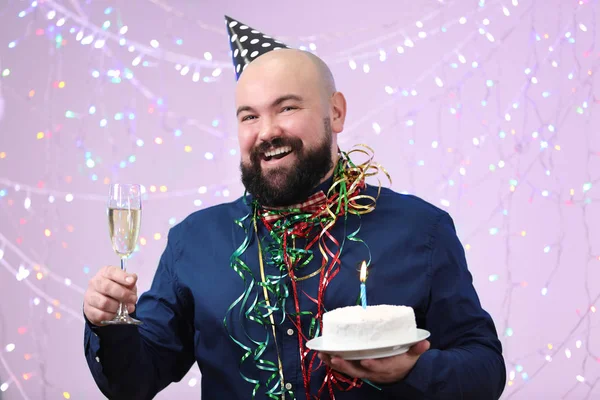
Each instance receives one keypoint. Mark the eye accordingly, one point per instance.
(248, 117)
(289, 108)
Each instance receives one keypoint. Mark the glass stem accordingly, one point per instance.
(123, 307)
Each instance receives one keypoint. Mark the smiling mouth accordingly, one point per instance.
(277, 153)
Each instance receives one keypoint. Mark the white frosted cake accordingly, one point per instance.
(374, 326)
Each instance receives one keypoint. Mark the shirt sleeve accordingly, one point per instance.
(465, 359)
(136, 362)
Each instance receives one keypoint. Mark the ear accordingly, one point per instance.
(338, 112)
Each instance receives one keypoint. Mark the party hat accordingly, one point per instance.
(247, 44)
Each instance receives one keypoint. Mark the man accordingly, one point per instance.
(242, 286)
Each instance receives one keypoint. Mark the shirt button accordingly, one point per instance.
(290, 332)
(288, 386)
(97, 359)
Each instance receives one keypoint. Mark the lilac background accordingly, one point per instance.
(487, 109)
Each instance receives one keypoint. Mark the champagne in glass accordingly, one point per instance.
(124, 219)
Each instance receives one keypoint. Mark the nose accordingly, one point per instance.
(269, 130)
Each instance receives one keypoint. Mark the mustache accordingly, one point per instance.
(294, 143)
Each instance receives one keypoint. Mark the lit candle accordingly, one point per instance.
(363, 286)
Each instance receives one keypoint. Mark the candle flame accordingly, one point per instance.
(363, 272)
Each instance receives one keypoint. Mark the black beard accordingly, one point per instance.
(284, 186)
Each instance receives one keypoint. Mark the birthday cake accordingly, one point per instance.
(376, 325)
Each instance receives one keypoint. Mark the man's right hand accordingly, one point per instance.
(105, 290)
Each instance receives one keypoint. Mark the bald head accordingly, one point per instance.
(301, 66)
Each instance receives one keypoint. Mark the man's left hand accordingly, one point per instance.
(382, 370)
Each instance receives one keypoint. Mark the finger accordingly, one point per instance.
(325, 358)
(119, 276)
(96, 316)
(134, 287)
(419, 348)
(103, 303)
(114, 290)
(384, 365)
(322, 360)
(380, 365)
(349, 368)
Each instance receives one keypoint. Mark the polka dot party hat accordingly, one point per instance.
(247, 44)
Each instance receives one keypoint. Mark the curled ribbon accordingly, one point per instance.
(343, 198)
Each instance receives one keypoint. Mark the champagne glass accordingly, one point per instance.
(124, 219)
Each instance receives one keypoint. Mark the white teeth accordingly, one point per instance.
(281, 150)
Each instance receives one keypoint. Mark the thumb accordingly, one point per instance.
(419, 348)
(131, 280)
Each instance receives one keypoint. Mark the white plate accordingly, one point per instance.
(353, 352)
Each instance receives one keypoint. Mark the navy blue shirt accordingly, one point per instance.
(417, 260)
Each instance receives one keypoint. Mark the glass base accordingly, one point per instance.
(122, 320)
